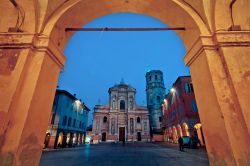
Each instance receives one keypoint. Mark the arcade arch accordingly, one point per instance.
(60, 140)
(179, 131)
(174, 134)
(199, 133)
(185, 130)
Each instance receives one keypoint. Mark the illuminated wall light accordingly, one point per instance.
(172, 90)
(78, 105)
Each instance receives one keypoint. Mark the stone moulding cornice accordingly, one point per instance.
(232, 38)
(16, 40)
(204, 42)
(215, 41)
(34, 42)
(43, 43)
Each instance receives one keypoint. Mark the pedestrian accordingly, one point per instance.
(180, 141)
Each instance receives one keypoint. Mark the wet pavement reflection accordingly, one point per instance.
(132, 154)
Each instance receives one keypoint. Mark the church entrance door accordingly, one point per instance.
(138, 136)
(121, 133)
(103, 136)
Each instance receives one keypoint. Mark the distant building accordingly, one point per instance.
(68, 121)
(180, 116)
(121, 119)
(155, 92)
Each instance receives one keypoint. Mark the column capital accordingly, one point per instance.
(202, 43)
(232, 38)
(215, 41)
(40, 43)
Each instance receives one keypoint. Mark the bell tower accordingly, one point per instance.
(155, 92)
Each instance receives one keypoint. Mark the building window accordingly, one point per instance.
(83, 125)
(113, 102)
(155, 77)
(138, 120)
(194, 106)
(113, 126)
(160, 119)
(53, 118)
(150, 78)
(69, 122)
(191, 87)
(97, 125)
(131, 126)
(188, 88)
(145, 126)
(80, 124)
(74, 123)
(158, 99)
(131, 103)
(105, 119)
(122, 105)
(64, 120)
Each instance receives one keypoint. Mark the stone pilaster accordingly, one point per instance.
(225, 128)
(29, 71)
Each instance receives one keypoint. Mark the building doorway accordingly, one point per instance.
(60, 140)
(103, 136)
(199, 133)
(47, 138)
(121, 133)
(138, 136)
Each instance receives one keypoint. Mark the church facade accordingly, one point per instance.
(121, 119)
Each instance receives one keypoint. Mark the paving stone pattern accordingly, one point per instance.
(132, 154)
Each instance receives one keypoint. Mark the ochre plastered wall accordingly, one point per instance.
(219, 62)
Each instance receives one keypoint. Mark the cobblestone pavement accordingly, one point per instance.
(132, 154)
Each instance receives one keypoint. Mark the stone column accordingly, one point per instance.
(52, 141)
(235, 48)
(110, 124)
(29, 69)
(225, 129)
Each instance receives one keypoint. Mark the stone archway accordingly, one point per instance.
(174, 134)
(185, 129)
(218, 59)
(60, 140)
(179, 131)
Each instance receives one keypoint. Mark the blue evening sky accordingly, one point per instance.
(98, 60)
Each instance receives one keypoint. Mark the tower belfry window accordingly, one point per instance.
(158, 99)
(155, 77)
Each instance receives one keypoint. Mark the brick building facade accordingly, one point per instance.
(180, 112)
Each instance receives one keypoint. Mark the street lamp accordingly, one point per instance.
(172, 90)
